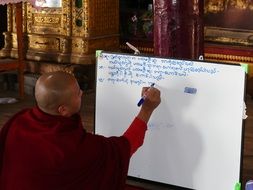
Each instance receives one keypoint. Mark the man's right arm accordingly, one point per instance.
(136, 132)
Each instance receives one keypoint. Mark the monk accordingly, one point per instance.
(47, 148)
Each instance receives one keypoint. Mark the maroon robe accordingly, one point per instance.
(39, 151)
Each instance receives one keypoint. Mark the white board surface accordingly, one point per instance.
(194, 136)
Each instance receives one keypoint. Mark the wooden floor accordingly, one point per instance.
(87, 109)
(87, 113)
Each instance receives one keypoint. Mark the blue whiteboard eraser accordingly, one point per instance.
(190, 90)
(249, 185)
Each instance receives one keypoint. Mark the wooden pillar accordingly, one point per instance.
(178, 28)
(19, 28)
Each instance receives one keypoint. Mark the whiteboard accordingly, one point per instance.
(194, 136)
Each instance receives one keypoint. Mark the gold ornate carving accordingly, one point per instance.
(9, 18)
(65, 46)
(81, 13)
(84, 46)
(79, 46)
(228, 58)
(5, 52)
(215, 6)
(45, 44)
(47, 20)
(66, 17)
(14, 41)
(228, 36)
(69, 34)
(55, 23)
(39, 30)
(87, 18)
(233, 59)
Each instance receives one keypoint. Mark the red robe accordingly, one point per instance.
(44, 152)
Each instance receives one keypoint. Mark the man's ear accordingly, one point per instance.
(63, 111)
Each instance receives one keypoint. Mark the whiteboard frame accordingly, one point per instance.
(157, 183)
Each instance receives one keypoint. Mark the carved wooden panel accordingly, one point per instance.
(44, 43)
(69, 34)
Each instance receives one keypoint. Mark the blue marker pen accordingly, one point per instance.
(141, 101)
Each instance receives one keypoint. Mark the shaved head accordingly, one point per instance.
(55, 89)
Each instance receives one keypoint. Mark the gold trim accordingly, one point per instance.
(228, 36)
(47, 20)
(148, 50)
(9, 18)
(229, 58)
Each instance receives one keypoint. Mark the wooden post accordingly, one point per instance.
(19, 28)
(178, 28)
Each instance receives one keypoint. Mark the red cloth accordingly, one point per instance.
(135, 134)
(43, 152)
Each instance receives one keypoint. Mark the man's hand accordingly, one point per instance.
(152, 100)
